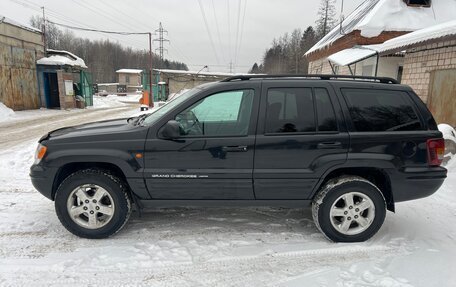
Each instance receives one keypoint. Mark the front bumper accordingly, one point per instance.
(43, 179)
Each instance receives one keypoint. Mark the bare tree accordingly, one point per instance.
(103, 57)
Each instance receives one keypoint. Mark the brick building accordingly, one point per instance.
(60, 79)
(375, 22)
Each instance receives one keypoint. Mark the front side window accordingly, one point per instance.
(222, 114)
(381, 110)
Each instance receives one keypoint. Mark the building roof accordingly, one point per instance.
(373, 17)
(61, 58)
(129, 71)
(444, 30)
(4, 19)
(352, 55)
(349, 56)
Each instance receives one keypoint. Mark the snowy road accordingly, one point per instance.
(213, 246)
(18, 131)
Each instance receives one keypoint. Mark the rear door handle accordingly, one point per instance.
(329, 145)
(239, 148)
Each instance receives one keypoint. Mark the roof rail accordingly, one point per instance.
(384, 80)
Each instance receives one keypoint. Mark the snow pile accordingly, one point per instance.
(434, 32)
(60, 58)
(5, 113)
(111, 101)
(449, 134)
(4, 19)
(395, 15)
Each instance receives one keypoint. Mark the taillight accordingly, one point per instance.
(436, 151)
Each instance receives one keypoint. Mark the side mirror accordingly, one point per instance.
(170, 130)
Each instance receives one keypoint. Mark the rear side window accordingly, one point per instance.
(298, 110)
(381, 110)
(326, 119)
(290, 110)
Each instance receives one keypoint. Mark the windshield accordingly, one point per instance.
(158, 113)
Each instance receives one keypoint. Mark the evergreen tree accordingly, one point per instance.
(255, 69)
(326, 17)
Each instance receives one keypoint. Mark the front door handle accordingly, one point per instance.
(329, 145)
(239, 148)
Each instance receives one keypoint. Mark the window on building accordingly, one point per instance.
(381, 110)
(418, 3)
(127, 78)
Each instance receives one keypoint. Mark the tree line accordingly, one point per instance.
(286, 54)
(102, 57)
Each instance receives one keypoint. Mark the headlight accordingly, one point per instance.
(40, 153)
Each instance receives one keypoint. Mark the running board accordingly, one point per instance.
(225, 203)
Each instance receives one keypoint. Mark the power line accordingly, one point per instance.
(96, 30)
(242, 32)
(218, 31)
(229, 29)
(237, 31)
(57, 15)
(208, 31)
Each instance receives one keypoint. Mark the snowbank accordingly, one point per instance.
(111, 101)
(449, 134)
(5, 113)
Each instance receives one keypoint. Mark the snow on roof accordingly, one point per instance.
(214, 74)
(129, 71)
(349, 56)
(373, 17)
(447, 29)
(4, 19)
(61, 58)
(358, 53)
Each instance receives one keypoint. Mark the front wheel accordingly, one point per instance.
(349, 209)
(92, 203)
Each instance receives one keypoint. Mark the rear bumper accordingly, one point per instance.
(43, 179)
(414, 183)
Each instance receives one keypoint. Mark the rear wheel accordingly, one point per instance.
(349, 209)
(92, 203)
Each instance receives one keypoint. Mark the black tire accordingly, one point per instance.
(117, 191)
(330, 195)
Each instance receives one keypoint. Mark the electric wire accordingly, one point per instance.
(208, 31)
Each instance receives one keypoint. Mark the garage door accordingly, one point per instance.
(442, 92)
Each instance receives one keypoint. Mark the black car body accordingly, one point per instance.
(263, 140)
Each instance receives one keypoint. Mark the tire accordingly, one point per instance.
(333, 211)
(93, 203)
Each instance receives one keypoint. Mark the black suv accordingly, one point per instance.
(351, 147)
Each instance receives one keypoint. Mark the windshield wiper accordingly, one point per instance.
(137, 120)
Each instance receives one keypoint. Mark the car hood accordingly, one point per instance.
(90, 129)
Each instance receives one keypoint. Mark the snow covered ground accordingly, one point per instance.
(212, 246)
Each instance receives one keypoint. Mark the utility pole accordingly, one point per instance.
(151, 97)
(160, 31)
(44, 30)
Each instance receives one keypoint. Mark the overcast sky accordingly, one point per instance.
(189, 38)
